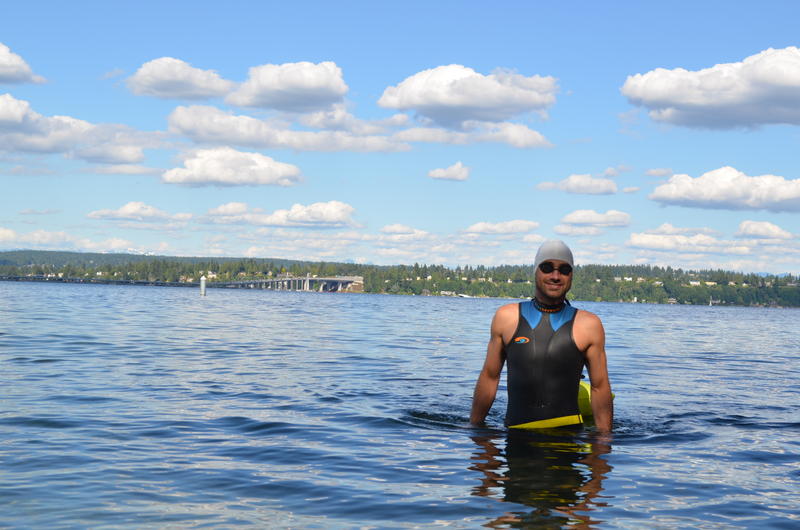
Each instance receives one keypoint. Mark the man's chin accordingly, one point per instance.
(555, 293)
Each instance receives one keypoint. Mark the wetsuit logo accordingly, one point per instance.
(522, 340)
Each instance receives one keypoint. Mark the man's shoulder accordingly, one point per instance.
(507, 313)
(587, 318)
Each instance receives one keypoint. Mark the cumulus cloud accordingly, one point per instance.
(137, 211)
(513, 134)
(172, 78)
(229, 209)
(457, 171)
(582, 184)
(23, 129)
(453, 94)
(762, 230)
(212, 125)
(223, 166)
(318, 214)
(518, 226)
(14, 69)
(590, 222)
(698, 243)
(730, 189)
(762, 89)
(294, 87)
(338, 118)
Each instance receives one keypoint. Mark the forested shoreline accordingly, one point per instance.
(609, 283)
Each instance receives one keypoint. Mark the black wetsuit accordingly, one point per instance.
(544, 368)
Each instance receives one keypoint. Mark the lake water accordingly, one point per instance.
(155, 407)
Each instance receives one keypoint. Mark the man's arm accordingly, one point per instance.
(591, 332)
(489, 378)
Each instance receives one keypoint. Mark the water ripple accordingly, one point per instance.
(150, 407)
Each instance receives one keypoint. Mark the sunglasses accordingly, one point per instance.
(547, 267)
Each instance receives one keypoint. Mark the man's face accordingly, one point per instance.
(552, 287)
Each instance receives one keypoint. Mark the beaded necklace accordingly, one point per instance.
(547, 308)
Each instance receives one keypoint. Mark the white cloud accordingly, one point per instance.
(127, 169)
(763, 88)
(762, 230)
(582, 184)
(659, 172)
(453, 94)
(397, 229)
(223, 166)
(14, 69)
(514, 134)
(398, 233)
(396, 253)
(138, 211)
(307, 245)
(574, 230)
(612, 218)
(616, 170)
(23, 129)
(294, 87)
(630, 189)
(63, 241)
(212, 125)
(518, 226)
(7, 235)
(172, 78)
(318, 214)
(230, 208)
(338, 118)
(457, 171)
(533, 238)
(402, 233)
(668, 229)
(698, 243)
(728, 188)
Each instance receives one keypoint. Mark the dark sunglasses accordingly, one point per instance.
(547, 267)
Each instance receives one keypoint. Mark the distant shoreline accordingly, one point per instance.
(211, 285)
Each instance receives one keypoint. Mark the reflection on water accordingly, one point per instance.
(557, 473)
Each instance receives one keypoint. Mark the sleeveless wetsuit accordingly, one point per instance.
(544, 369)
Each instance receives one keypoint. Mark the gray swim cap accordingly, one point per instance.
(554, 249)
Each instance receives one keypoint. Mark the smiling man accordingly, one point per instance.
(546, 343)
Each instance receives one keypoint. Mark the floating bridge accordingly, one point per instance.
(333, 284)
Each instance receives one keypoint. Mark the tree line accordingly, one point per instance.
(614, 283)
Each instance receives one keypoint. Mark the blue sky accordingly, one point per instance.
(429, 132)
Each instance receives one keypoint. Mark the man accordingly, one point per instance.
(546, 343)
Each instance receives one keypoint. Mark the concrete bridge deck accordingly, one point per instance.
(351, 284)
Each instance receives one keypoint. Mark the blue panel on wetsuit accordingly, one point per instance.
(558, 319)
(531, 314)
